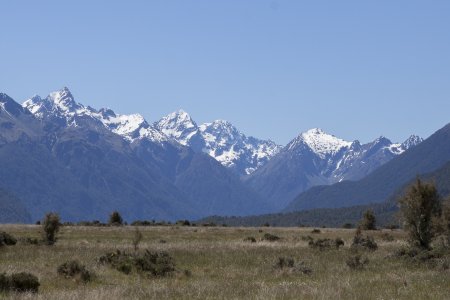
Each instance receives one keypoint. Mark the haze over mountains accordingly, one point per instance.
(59, 155)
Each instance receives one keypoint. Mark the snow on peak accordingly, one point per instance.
(412, 141)
(64, 100)
(178, 125)
(319, 142)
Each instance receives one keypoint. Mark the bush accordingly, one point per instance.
(288, 263)
(357, 262)
(50, 226)
(285, 262)
(19, 282)
(74, 269)
(347, 225)
(419, 206)
(361, 242)
(115, 219)
(270, 237)
(156, 264)
(250, 239)
(315, 231)
(323, 244)
(368, 221)
(7, 239)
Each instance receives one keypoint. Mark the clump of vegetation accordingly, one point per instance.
(250, 239)
(270, 237)
(357, 262)
(19, 282)
(74, 269)
(361, 242)
(29, 241)
(155, 264)
(368, 221)
(324, 244)
(315, 231)
(347, 225)
(137, 238)
(419, 206)
(183, 223)
(50, 226)
(288, 263)
(306, 238)
(115, 219)
(7, 239)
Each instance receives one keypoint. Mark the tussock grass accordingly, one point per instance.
(221, 265)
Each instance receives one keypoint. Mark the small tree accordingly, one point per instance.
(115, 218)
(50, 226)
(419, 206)
(368, 221)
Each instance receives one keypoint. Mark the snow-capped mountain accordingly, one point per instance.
(317, 158)
(60, 105)
(221, 140)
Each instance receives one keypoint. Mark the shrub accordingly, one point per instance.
(74, 269)
(289, 263)
(50, 226)
(307, 238)
(270, 237)
(419, 206)
(156, 264)
(250, 239)
(183, 223)
(19, 282)
(357, 262)
(347, 226)
(115, 219)
(315, 231)
(285, 262)
(361, 242)
(368, 221)
(7, 239)
(323, 244)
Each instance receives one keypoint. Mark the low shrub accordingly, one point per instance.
(74, 269)
(361, 242)
(306, 238)
(250, 239)
(270, 237)
(357, 262)
(19, 282)
(323, 244)
(156, 264)
(315, 231)
(285, 262)
(288, 263)
(7, 239)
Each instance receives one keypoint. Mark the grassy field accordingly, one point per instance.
(223, 266)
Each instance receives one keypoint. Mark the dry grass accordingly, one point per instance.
(221, 265)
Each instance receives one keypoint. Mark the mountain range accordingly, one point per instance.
(60, 155)
(317, 158)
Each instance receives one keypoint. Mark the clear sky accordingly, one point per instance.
(357, 69)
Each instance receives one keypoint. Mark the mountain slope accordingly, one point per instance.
(317, 158)
(12, 209)
(221, 140)
(429, 155)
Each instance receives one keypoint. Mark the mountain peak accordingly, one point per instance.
(63, 99)
(177, 125)
(412, 141)
(319, 142)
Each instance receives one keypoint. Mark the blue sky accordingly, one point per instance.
(357, 69)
